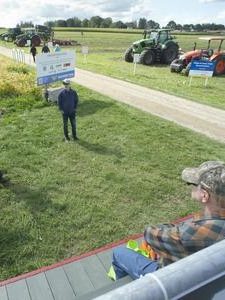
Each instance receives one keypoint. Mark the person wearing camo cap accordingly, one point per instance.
(172, 242)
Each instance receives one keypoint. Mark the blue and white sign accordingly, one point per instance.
(202, 68)
(53, 67)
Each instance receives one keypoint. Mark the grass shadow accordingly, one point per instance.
(11, 240)
(92, 106)
(36, 200)
(102, 150)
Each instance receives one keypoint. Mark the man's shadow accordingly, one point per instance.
(36, 200)
(13, 238)
(10, 240)
(99, 149)
(89, 107)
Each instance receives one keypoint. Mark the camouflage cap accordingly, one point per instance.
(210, 175)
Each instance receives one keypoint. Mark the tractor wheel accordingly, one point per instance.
(176, 65)
(169, 54)
(21, 42)
(220, 66)
(128, 56)
(147, 57)
(36, 40)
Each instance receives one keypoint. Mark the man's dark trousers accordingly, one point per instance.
(72, 118)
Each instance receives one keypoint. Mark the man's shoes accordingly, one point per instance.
(75, 138)
(66, 139)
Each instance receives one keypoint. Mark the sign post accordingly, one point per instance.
(56, 66)
(201, 68)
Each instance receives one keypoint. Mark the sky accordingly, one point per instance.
(182, 12)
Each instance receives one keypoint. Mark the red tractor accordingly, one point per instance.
(217, 56)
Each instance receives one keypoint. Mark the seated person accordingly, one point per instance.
(173, 242)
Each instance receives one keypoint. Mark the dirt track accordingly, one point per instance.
(201, 118)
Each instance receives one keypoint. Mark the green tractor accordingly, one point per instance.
(11, 34)
(157, 46)
(35, 35)
(45, 32)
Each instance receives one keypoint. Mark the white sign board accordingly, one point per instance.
(28, 43)
(56, 66)
(84, 49)
(136, 58)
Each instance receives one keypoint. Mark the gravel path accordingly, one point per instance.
(198, 117)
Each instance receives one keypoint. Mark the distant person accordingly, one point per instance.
(57, 48)
(67, 102)
(1, 176)
(33, 52)
(172, 242)
(3, 179)
(45, 49)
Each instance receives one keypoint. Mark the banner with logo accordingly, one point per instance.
(53, 67)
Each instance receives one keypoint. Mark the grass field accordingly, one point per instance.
(105, 56)
(67, 198)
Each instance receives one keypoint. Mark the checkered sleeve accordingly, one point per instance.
(166, 240)
(173, 242)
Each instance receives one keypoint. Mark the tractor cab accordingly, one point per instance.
(212, 40)
(218, 56)
(157, 36)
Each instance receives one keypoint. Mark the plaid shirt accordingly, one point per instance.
(175, 241)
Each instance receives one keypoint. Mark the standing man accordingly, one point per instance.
(45, 49)
(67, 102)
(33, 51)
(175, 241)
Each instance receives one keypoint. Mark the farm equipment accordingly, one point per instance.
(44, 32)
(208, 54)
(64, 42)
(11, 34)
(157, 46)
(34, 35)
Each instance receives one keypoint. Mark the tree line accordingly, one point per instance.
(142, 23)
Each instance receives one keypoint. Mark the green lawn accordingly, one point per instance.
(67, 198)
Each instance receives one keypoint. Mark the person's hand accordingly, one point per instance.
(151, 253)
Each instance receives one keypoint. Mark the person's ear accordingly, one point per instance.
(204, 196)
